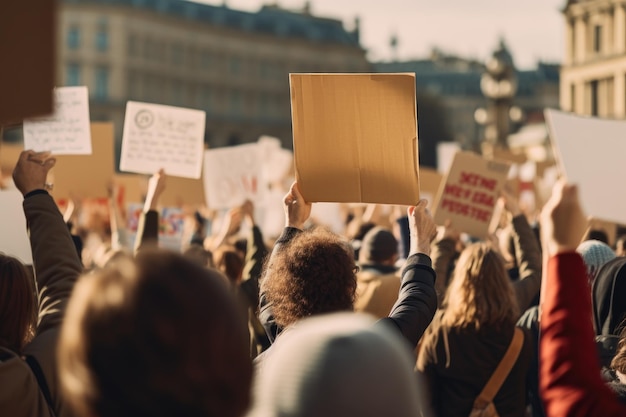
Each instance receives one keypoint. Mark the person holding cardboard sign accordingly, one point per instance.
(313, 272)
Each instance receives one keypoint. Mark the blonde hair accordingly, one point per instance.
(480, 292)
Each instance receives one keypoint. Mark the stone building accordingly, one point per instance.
(593, 76)
(232, 64)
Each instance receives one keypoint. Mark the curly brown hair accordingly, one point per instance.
(312, 274)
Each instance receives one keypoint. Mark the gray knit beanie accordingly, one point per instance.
(338, 365)
(595, 254)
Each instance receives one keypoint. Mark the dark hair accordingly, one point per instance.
(155, 336)
(199, 255)
(312, 274)
(229, 262)
(18, 307)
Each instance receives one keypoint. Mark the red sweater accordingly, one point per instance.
(570, 380)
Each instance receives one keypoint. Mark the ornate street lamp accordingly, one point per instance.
(499, 84)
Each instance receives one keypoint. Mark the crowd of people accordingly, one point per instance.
(395, 317)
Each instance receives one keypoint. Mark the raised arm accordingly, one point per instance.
(417, 300)
(148, 227)
(55, 262)
(255, 256)
(570, 381)
(527, 256)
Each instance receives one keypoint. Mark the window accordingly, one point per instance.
(594, 97)
(597, 38)
(572, 93)
(101, 91)
(72, 75)
(73, 37)
(205, 99)
(102, 37)
(205, 60)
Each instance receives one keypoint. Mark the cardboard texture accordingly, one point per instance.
(87, 176)
(355, 137)
(9, 154)
(590, 153)
(470, 193)
(132, 187)
(66, 131)
(28, 44)
(183, 192)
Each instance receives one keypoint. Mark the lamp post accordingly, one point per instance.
(499, 85)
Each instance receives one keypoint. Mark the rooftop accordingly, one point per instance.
(270, 20)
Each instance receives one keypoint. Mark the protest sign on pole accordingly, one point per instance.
(157, 136)
(86, 176)
(233, 175)
(470, 193)
(28, 40)
(66, 131)
(355, 137)
(590, 153)
(14, 238)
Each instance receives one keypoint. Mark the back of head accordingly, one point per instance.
(609, 297)
(595, 254)
(230, 262)
(379, 245)
(18, 314)
(155, 336)
(339, 365)
(312, 274)
(480, 292)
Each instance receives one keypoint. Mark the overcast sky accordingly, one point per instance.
(533, 29)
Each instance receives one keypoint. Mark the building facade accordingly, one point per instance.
(232, 64)
(455, 81)
(593, 76)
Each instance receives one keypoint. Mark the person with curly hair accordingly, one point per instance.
(313, 272)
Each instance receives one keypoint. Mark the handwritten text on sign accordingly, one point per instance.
(470, 193)
(157, 136)
(233, 175)
(470, 198)
(66, 131)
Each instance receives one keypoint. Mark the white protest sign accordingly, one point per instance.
(445, 155)
(14, 238)
(276, 162)
(590, 153)
(233, 175)
(157, 136)
(66, 131)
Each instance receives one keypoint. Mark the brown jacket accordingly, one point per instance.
(57, 267)
(376, 291)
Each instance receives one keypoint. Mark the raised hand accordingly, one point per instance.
(31, 171)
(422, 228)
(563, 222)
(297, 211)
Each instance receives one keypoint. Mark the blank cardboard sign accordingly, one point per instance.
(590, 153)
(470, 193)
(87, 176)
(355, 137)
(27, 42)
